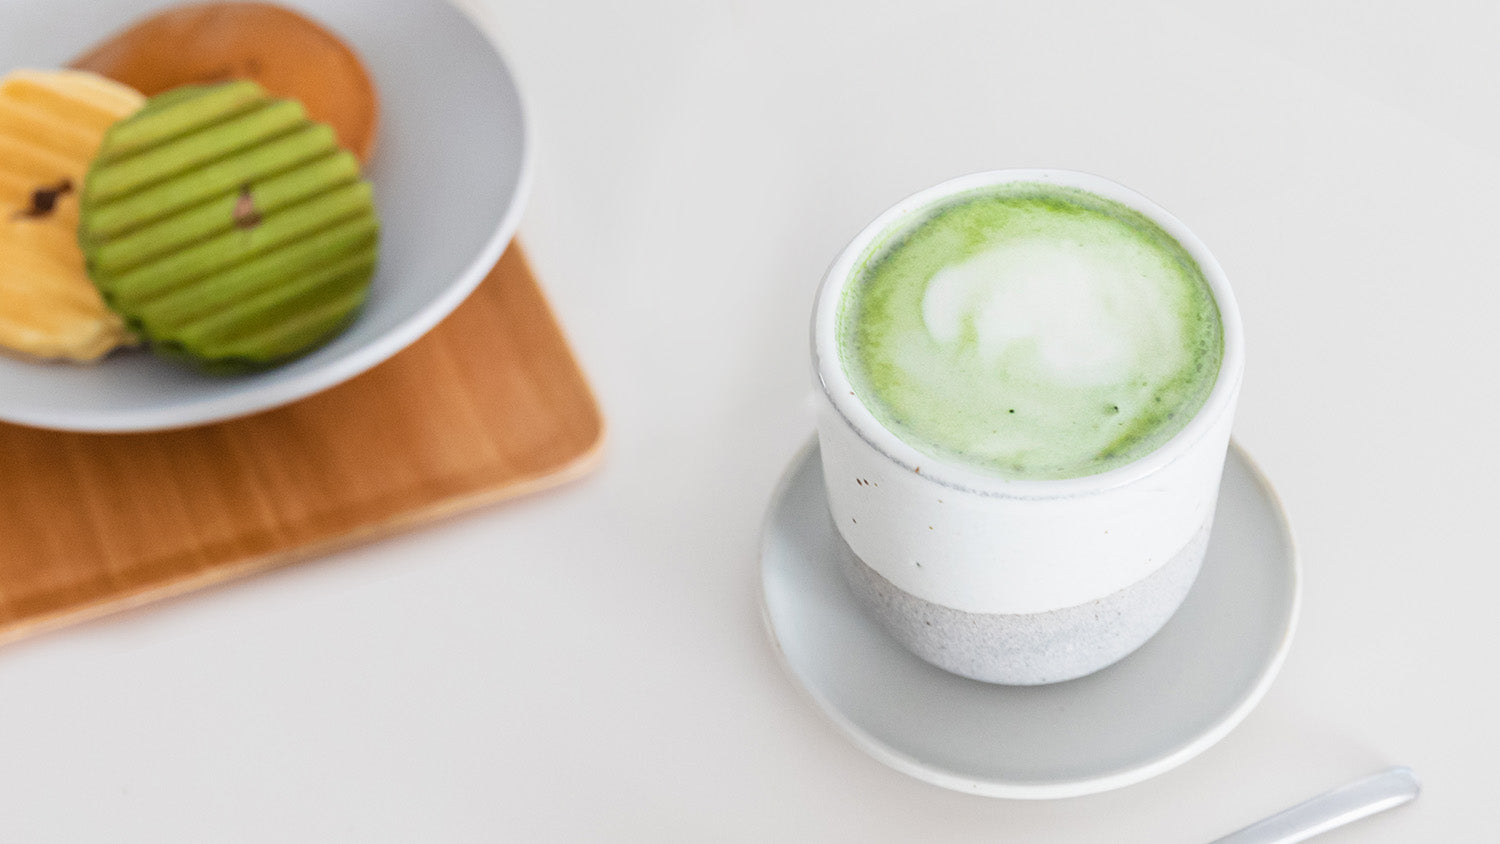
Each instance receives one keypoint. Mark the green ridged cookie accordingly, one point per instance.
(228, 228)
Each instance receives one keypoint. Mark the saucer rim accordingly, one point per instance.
(1050, 789)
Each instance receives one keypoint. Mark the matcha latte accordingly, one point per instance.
(1032, 331)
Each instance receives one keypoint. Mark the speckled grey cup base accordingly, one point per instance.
(1029, 649)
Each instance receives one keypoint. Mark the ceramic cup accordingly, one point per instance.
(1018, 581)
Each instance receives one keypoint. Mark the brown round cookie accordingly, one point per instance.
(286, 53)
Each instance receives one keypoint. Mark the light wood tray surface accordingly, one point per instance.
(489, 405)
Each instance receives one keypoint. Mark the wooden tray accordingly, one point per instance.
(489, 405)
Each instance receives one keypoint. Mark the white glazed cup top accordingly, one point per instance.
(829, 367)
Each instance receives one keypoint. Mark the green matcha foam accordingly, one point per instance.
(1033, 331)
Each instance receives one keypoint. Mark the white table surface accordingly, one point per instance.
(589, 664)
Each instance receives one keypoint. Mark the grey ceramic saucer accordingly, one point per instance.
(1175, 697)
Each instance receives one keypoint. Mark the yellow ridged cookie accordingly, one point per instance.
(51, 124)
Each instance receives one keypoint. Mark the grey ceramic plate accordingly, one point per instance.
(450, 175)
(1179, 694)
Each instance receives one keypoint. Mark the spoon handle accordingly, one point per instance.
(1346, 804)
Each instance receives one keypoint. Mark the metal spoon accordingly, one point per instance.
(1346, 804)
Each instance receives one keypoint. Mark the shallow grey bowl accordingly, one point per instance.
(450, 173)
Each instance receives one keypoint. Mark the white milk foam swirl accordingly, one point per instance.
(1087, 319)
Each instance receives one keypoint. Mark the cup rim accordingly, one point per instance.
(834, 382)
